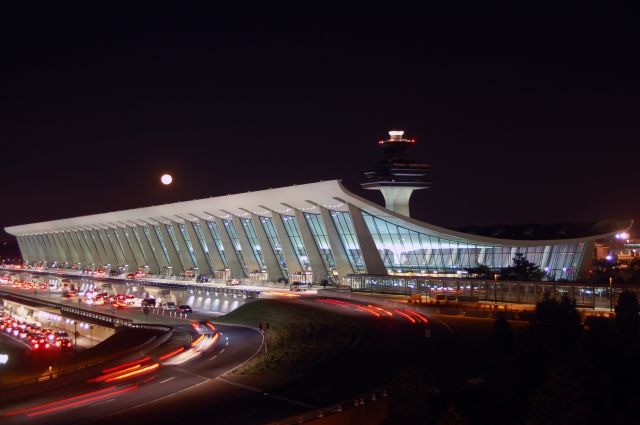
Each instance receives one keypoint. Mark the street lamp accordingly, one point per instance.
(610, 293)
(495, 289)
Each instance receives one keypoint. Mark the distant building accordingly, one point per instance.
(619, 247)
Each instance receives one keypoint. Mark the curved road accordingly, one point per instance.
(391, 338)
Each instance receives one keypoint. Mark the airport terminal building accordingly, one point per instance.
(306, 232)
(312, 233)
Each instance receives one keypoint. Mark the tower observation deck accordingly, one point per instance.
(398, 174)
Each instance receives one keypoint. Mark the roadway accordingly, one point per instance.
(200, 389)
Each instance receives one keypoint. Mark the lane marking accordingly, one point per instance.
(211, 358)
(222, 351)
(166, 380)
(226, 337)
(227, 343)
(103, 402)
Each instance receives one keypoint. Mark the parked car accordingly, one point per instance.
(169, 306)
(149, 302)
(185, 309)
(298, 286)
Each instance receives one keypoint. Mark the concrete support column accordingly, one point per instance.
(397, 198)
(52, 252)
(247, 252)
(80, 244)
(289, 253)
(76, 253)
(134, 246)
(35, 247)
(24, 253)
(66, 253)
(370, 254)
(56, 247)
(128, 252)
(185, 257)
(214, 254)
(93, 247)
(117, 248)
(49, 252)
(163, 261)
(153, 247)
(337, 249)
(198, 251)
(110, 252)
(237, 269)
(320, 271)
(274, 269)
(173, 253)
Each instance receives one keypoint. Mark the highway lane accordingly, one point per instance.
(90, 401)
(196, 389)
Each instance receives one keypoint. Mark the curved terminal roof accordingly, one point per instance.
(306, 197)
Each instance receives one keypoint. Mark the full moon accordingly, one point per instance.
(166, 179)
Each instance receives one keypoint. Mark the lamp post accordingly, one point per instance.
(610, 293)
(75, 335)
(495, 288)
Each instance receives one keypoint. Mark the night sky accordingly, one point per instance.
(527, 116)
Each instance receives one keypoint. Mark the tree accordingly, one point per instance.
(557, 323)
(481, 271)
(627, 315)
(452, 417)
(522, 269)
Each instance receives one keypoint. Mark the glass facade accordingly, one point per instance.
(344, 226)
(198, 231)
(253, 241)
(163, 245)
(187, 241)
(117, 233)
(137, 236)
(147, 235)
(270, 231)
(231, 231)
(322, 240)
(174, 242)
(293, 231)
(215, 234)
(127, 240)
(405, 250)
(108, 246)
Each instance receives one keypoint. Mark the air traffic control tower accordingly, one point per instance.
(398, 174)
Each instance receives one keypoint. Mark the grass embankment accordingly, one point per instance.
(300, 336)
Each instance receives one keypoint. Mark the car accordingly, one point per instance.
(168, 306)
(114, 273)
(184, 309)
(131, 276)
(298, 286)
(148, 302)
